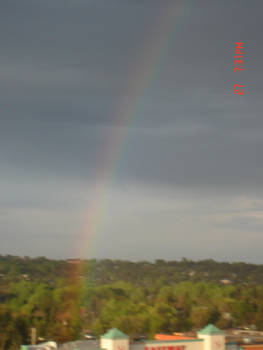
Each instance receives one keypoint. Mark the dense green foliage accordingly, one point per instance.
(64, 300)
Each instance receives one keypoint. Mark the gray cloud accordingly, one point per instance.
(66, 68)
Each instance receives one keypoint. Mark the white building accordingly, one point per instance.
(208, 338)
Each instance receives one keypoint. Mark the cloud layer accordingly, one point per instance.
(185, 178)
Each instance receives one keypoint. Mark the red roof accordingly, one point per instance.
(171, 337)
(253, 347)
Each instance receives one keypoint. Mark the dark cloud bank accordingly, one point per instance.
(190, 169)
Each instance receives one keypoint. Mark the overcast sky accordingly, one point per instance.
(120, 133)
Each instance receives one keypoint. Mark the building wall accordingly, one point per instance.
(175, 345)
(137, 346)
(213, 342)
(114, 344)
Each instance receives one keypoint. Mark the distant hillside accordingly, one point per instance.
(139, 273)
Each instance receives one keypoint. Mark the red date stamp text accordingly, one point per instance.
(238, 63)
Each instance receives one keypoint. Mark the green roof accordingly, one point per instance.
(210, 330)
(114, 333)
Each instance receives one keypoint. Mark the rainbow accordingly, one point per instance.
(146, 67)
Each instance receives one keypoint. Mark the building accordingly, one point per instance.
(51, 345)
(208, 338)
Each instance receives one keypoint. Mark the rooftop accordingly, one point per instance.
(172, 337)
(210, 330)
(114, 333)
(80, 345)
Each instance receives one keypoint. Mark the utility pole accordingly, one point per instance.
(33, 336)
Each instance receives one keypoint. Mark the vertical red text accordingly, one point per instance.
(238, 63)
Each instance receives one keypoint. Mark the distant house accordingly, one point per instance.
(25, 276)
(74, 261)
(225, 281)
(227, 315)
